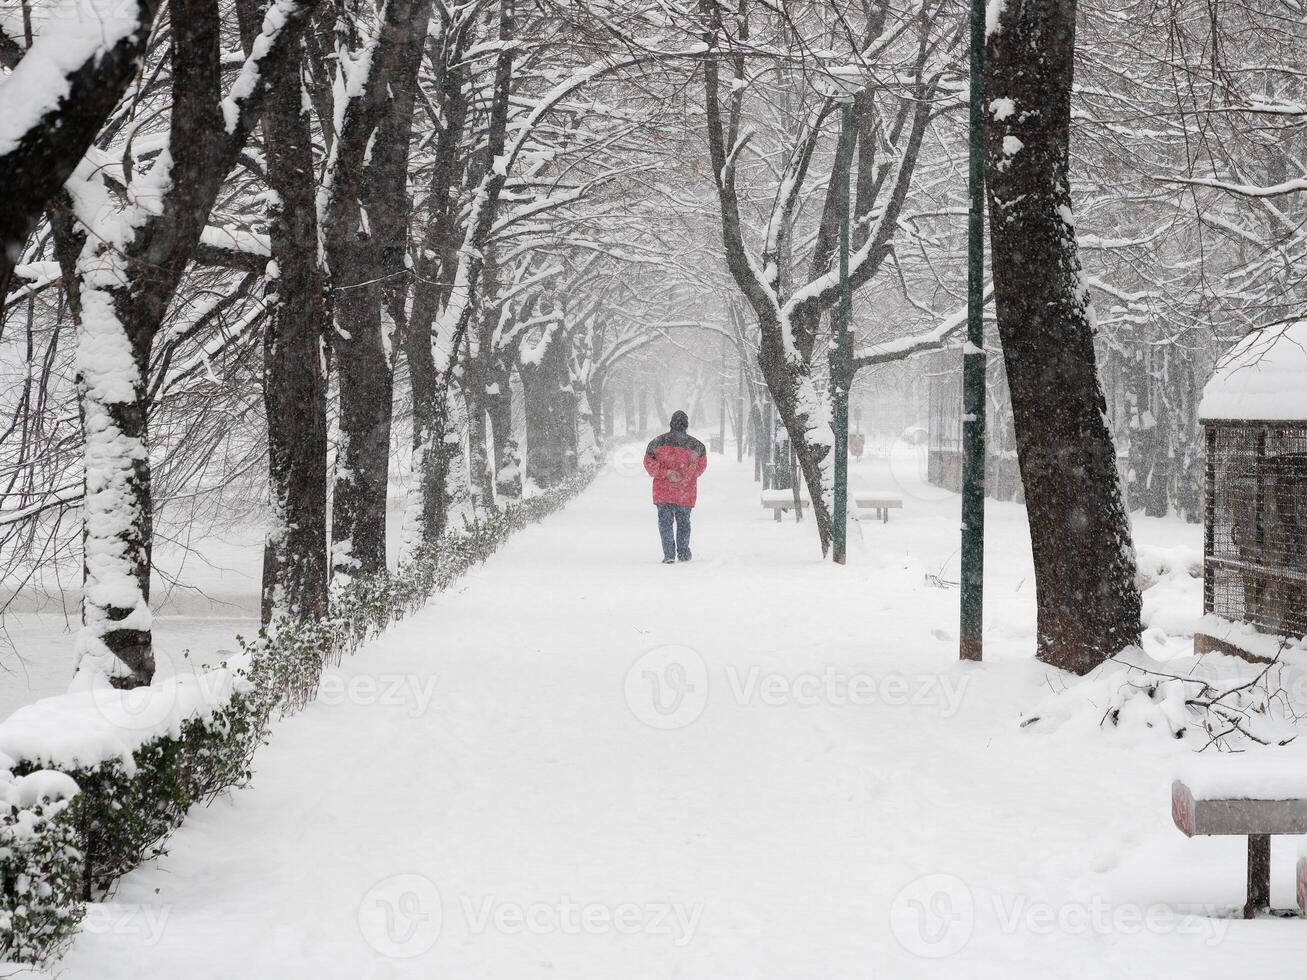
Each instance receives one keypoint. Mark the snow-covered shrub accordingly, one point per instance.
(139, 760)
(286, 660)
(40, 865)
(1212, 701)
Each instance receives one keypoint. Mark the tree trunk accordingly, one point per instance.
(117, 515)
(367, 259)
(295, 573)
(366, 387)
(794, 393)
(438, 257)
(741, 427)
(434, 450)
(507, 455)
(460, 260)
(121, 287)
(1088, 603)
(628, 409)
(550, 416)
(479, 477)
(608, 411)
(599, 400)
(476, 376)
(660, 407)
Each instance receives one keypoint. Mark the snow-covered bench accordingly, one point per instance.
(1245, 796)
(881, 503)
(779, 501)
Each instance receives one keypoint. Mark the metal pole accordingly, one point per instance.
(721, 404)
(841, 363)
(741, 423)
(973, 373)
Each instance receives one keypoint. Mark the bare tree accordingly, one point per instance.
(122, 267)
(890, 121)
(366, 233)
(295, 574)
(1087, 597)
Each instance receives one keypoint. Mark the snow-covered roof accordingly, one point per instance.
(1262, 378)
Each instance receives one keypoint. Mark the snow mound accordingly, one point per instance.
(1290, 649)
(85, 728)
(1208, 701)
(35, 788)
(1171, 583)
(1263, 378)
(1131, 691)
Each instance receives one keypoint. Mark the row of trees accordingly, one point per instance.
(306, 233)
(1165, 99)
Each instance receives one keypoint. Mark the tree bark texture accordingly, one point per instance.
(1088, 602)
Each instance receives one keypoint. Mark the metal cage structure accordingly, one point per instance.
(1255, 540)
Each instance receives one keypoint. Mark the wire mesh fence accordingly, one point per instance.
(1256, 528)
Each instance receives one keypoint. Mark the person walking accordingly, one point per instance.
(675, 460)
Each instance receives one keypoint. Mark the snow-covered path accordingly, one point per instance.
(584, 764)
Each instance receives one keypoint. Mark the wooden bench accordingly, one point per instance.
(780, 501)
(1240, 796)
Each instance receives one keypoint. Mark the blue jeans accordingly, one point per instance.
(680, 514)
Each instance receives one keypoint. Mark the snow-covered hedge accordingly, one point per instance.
(40, 864)
(99, 778)
(93, 782)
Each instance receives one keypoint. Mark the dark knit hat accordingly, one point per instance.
(680, 421)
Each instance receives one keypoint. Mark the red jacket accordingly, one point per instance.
(675, 460)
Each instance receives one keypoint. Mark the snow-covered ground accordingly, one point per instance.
(585, 764)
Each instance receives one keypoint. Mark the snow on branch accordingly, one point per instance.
(936, 338)
(55, 100)
(75, 37)
(281, 14)
(233, 248)
(1295, 186)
